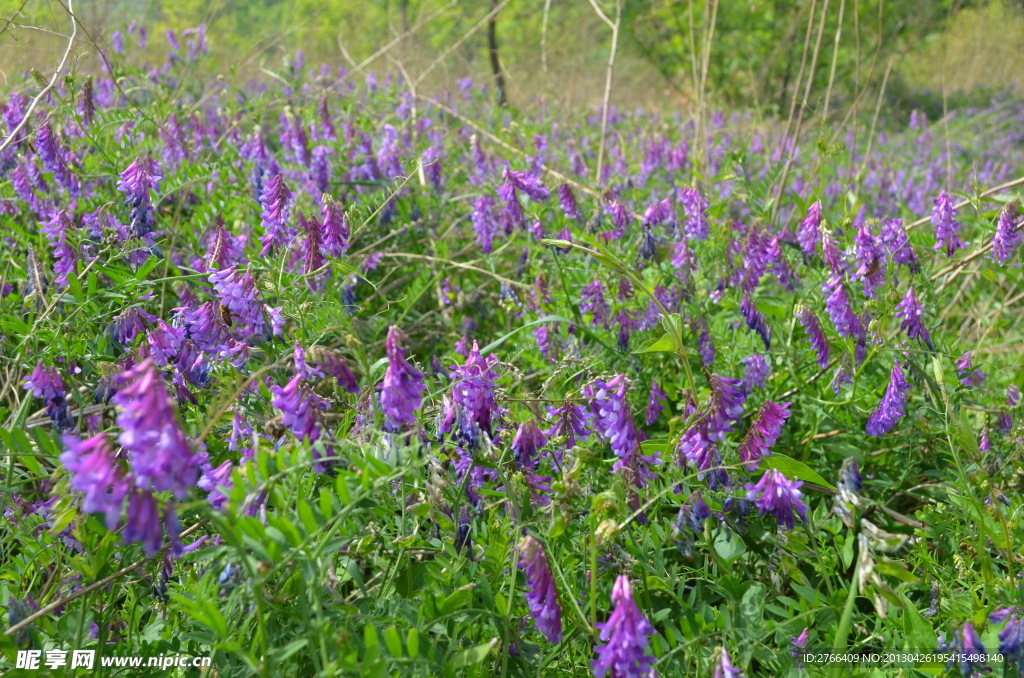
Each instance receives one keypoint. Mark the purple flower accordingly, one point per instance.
(910, 310)
(527, 441)
(809, 233)
(871, 260)
(313, 251)
(695, 207)
(705, 344)
(1012, 395)
(335, 227)
(1011, 638)
(780, 496)
(655, 403)
(967, 650)
(138, 181)
(236, 291)
(756, 321)
(756, 372)
(45, 383)
(796, 647)
(57, 231)
(570, 424)
(474, 387)
(815, 333)
(625, 636)
(895, 240)
(763, 433)
(333, 364)
(947, 228)
(615, 423)
(837, 304)
(726, 405)
(275, 200)
(484, 222)
(542, 598)
(300, 409)
(142, 522)
(568, 201)
(1007, 237)
(161, 459)
(697, 447)
(592, 301)
(969, 374)
(96, 473)
(400, 394)
(723, 665)
(54, 159)
(890, 409)
(512, 184)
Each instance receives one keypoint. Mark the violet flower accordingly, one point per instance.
(809, 233)
(335, 227)
(570, 424)
(96, 473)
(275, 200)
(137, 182)
(512, 184)
(695, 225)
(891, 408)
(655, 403)
(542, 598)
(160, 457)
(910, 310)
(871, 260)
(755, 321)
(894, 238)
(1011, 638)
(1007, 237)
(837, 304)
(815, 333)
(780, 496)
(756, 372)
(473, 388)
(726, 405)
(142, 522)
(947, 228)
(527, 441)
(625, 636)
(568, 201)
(67, 254)
(236, 291)
(401, 391)
(723, 665)
(763, 433)
(484, 222)
(697, 447)
(615, 423)
(45, 383)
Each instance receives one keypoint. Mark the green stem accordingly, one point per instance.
(846, 621)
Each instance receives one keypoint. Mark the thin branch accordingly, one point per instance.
(53, 81)
(607, 83)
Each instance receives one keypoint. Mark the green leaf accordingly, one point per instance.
(919, 633)
(290, 649)
(793, 469)
(664, 345)
(474, 655)
(393, 641)
(412, 642)
(729, 546)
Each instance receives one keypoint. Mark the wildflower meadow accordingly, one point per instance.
(311, 373)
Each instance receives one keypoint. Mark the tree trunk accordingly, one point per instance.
(492, 49)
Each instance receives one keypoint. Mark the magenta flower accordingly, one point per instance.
(160, 457)
(592, 301)
(401, 392)
(236, 291)
(1011, 638)
(96, 473)
(300, 408)
(138, 181)
(809, 233)
(947, 228)
(625, 636)
(910, 310)
(891, 409)
(142, 524)
(527, 441)
(815, 333)
(570, 424)
(514, 183)
(695, 207)
(763, 433)
(484, 222)
(780, 496)
(615, 423)
(542, 597)
(969, 374)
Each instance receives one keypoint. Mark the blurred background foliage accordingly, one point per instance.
(930, 53)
